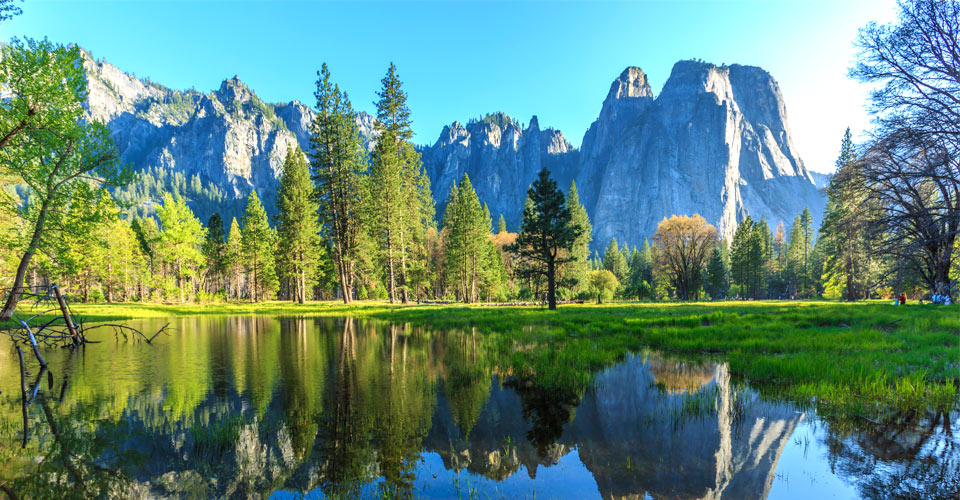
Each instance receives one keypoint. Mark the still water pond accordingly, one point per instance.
(253, 407)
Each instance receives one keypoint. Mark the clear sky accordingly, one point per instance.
(459, 60)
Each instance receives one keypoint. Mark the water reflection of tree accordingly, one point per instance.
(466, 378)
(904, 457)
(547, 410)
(76, 460)
(345, 428)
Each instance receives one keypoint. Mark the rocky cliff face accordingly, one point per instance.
(714, 142)
(501, 157)
(229, 137)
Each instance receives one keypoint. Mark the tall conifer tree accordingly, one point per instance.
(258, 242)
(338, 163)
(546, 235)
(297, 228)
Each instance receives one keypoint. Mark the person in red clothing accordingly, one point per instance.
(903, 298)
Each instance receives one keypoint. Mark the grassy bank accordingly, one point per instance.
(860, 359)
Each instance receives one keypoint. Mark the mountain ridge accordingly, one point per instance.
(715, 141)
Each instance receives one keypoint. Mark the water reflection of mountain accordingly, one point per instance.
(636, 437)
(243, 407)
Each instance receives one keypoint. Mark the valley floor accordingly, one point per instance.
(868, 359)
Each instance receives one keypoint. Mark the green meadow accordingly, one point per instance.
(869, 359)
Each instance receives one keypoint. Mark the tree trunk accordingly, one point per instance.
(11, 304)
(303, 286)
(551, 286)
(391, 280)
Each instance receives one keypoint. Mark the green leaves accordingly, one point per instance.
(47, 88)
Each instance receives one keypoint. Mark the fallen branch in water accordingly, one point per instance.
(127, 331)
(64, 328)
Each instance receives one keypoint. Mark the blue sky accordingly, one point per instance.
(459, 60)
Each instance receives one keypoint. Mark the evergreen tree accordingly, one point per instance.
(546, 234)
(501, 225)
(466, 229)
(806, 232)
(338, 162)
(233, 260)
(717, 275)
(843, 235)
(299, 245)
(181, 235)
(401, 203)
(214, 249)
(258, 243)
(614, 261)
(742, 254)
(575, 271)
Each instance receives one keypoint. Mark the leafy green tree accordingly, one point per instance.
(46, 86)
(258, 242)
(546, 236)
(603, 283)
(181, 235)
(401, 208)
(337, 164)
(214, 251)
(9, 9)
(50, 148)
(299, 245)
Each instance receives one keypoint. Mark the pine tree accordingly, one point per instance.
(233, 260)
(181, 235)
(466, 228)
(338, 162)
(575, 271)
(614, 261)
(258, 243)
(742, 253)
(214, 248)
(501, 225)
(717, 274)
(546, 234)
(843, 234)
(806, 228)
(401, 203)
(299, 245)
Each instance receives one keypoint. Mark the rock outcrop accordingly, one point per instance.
(229, 138)
(714, 142)
(501, 158)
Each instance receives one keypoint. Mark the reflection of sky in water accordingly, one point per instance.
(803, 470)
(651, 426)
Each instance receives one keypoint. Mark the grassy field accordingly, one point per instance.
(865, 359)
